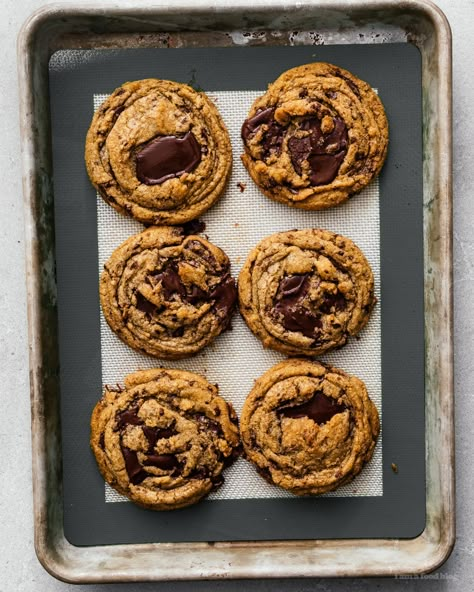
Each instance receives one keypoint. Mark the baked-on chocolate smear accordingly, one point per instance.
(319, 408)
(323, 152)
(166, 157)
(289, 304)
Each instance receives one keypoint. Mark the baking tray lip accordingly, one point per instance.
(69, 563)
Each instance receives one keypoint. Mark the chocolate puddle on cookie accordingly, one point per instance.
(319, 408)
(166, 157)
(289, 305)
(323, 151)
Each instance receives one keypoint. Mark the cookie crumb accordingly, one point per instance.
(241, 186)
(394, 468)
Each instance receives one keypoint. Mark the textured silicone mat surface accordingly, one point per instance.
(236, 223)
(392, 366)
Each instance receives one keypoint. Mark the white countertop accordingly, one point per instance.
(19, 568)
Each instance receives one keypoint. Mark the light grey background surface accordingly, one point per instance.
(19, 568)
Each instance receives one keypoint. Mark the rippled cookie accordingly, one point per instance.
(164, 440)
(307, 427)
(318, 135)
(167, 294)
(159, 151)
(303, 292)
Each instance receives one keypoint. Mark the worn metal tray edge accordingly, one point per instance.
(422, 23)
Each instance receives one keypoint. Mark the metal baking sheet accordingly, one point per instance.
(72, 28)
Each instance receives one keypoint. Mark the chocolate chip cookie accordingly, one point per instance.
(166, 293)
(164, 440)
(159, 151)
(318, 135)
(303, 292)
(307, 427)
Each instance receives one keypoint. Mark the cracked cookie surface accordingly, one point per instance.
(307, 427)
(166, 293)
(304, 292)
(158, 150)
(164, 440)
(318, 135)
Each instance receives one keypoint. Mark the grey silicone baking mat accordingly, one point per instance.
(395, 71)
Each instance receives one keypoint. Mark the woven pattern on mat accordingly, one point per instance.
(238, 221)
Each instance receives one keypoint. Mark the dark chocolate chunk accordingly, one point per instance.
(196, 294)
(324, 167)
(313, 125)
(166, 157)
(233, 456)
(351, 84)
(294, 285)
(155, 434)
(144, 305)
(272, 139)
(217, 481)
(128, 417)
(171, 282)
(199, 249)
(265, 473)
(225, 295)
(134, 469)
(250, 125)
(289, 304)
(337, 139)
(201, 473)
(300, 149)
(167, 462)
(194, 227)
(300, 319)
(336, 300)
(319, 408)
(323, 152)
(208, 423)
